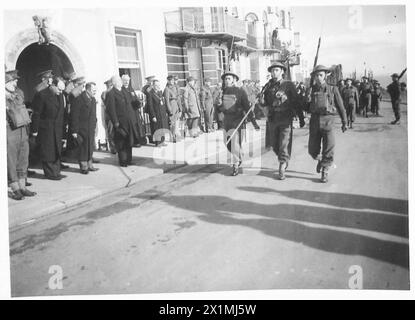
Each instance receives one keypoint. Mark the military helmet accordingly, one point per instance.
(319, 68)
(277, 64)
(229, 74)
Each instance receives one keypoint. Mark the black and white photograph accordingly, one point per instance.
(164, 149)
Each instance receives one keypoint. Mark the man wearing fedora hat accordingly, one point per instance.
(394, 90)
(234, 104)
(283, 103)
(325, 103)
(351, 101)
(17, 124)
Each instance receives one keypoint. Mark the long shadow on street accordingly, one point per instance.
(287, 221)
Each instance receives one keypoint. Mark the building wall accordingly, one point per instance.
(87, 37)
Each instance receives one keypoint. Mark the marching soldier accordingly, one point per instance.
(366, 95)
(283, 103)
(234, 104)
(376, 98)
(351, 101)
(325, 103)
(394, 90)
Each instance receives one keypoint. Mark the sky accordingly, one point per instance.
(377, 40)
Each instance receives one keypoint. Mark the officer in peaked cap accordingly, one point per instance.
(46, 80)
(11, 75)
(45, 74)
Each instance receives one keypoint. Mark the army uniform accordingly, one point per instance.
(351, 103)
(206, 100)
(326, 102)
(366, 97)
(234, 104)
(394, 90)
(171, 97)
(17, 125)
(284, 104)
(376, 98)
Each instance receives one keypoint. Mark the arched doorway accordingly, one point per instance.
(36, 58)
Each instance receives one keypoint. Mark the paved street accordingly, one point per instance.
(198, 229)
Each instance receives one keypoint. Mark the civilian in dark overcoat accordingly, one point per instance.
(48, 113)
(122, 116)
(158, 113)
(83, 121)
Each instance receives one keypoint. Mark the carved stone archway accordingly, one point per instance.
(23, 39)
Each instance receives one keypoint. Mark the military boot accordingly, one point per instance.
(318, 168)
(324, 175)
(281, 171)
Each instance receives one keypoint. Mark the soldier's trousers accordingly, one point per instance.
(235, 145)
(396, 109)
(193, 126)
(351, 112)
(17, 154)
(209, 116)
(321, 139)
(366, 103)
(281, 137)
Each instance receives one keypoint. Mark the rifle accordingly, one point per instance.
(315, 61)
(402, 73)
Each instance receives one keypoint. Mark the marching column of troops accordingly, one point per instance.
(61, 120)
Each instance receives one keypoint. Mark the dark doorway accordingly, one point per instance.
(36, 58)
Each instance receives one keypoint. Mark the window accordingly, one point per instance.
(128, 43)
(289, 20)
(221, 62)
(282, 18)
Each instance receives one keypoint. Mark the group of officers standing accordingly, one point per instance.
(62, 109)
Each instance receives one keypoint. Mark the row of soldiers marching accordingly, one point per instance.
(282, 101)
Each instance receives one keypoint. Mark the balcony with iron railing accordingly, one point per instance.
(188, 23)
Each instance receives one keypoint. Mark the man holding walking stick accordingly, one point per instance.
(235, 107)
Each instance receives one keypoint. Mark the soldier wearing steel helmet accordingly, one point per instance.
(283, 103)
(234, 104)
(326, 102)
